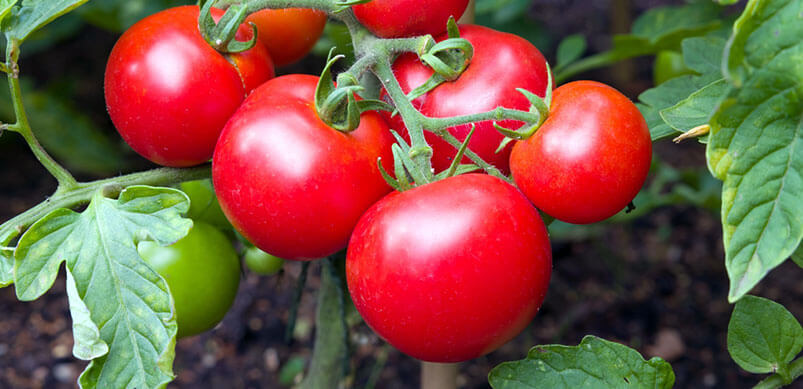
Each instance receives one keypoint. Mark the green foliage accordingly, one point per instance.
(123, 317)
(31, 15)
(6, 267)
(696, 109)
(118, 15)
(756, 142)
(763, 337)
(595, 363)
(570, 49)
(798, 256)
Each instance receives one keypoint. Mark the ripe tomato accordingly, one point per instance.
(261, 262)
(203, 273)
(589, 159)
(502, 62)
(406, 18)
(289, 183)
(289, 34)
(169, 93)
(451, 270)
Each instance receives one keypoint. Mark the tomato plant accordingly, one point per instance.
(203, 272)
(668, 65)
(288, 34)
(451, 270)
(590, 157)
(502, 62)
(203, 203)
(311, 182)
(157, 86)
(404, 18)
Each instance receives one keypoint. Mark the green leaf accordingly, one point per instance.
(667, 95)
(6, 268)
(667, 26)
(32, 15)
(798, 256)
(128, 302)
(704, 54)
(5, 8)
(763, 335)
(756, 143)
(330, 358)
(595, 363)
(696, 109)
(88, 344)
(571, 49)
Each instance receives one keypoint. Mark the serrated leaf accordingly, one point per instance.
(570, 49)
(756, 143)
(88, 344)
(763, 335)
(31, 15)
(127, 301)
(595, 363)
(330, 357)
(696, 109)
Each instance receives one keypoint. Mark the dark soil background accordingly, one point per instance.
(657, 283)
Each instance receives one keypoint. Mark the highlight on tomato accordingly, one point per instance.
(169, 93)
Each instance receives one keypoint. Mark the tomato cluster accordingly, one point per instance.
(446, 271)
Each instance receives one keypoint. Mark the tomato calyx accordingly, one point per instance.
(342, 5)
(221, 34)
(539, 108)
(337, 104)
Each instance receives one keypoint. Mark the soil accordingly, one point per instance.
(657, 284)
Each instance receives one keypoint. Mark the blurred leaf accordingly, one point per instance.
(756, 142)
(119, 15)
(32, 15)
(335, 34)
(503, 11)
(330, 356)
(291, 369)
(571, 49)
(696, 109)
(5, 8)
(67, 133)
(127, 301)
(763, 336)
(668, 26)
(798, 256)
(595, 363)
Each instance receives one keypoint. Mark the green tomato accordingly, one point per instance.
(668, 65)
(203, 203)
(203, 273)
(261, 262)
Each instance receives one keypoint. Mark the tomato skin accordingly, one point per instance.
(407, 18)
(289, 183)
(203, 273)
(169, 93)
(589, 159)
(288, 34)
(502, 62)
(451, 270)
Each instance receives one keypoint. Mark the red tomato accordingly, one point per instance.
(289, 183)
(589, 159)
(289, 34)
(406, 18)
(451, 270)
(502, 62)
(169, 93)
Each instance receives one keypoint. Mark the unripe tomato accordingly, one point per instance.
(502, 63)
(668, 65)
(451, 270)
(261, 262)
(203, 203)
(589, 159)
(289, 34)
(406, 18)
(169, 93)
(289, 183)
(203, 273)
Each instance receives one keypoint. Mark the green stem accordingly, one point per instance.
(497, 114)
(794, 370)
(23, 127)
(81, 193)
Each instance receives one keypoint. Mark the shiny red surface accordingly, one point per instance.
(589, 159)
(289, 183)
(452, 270)
(406, 18)
(169, 93)
(502, 62)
